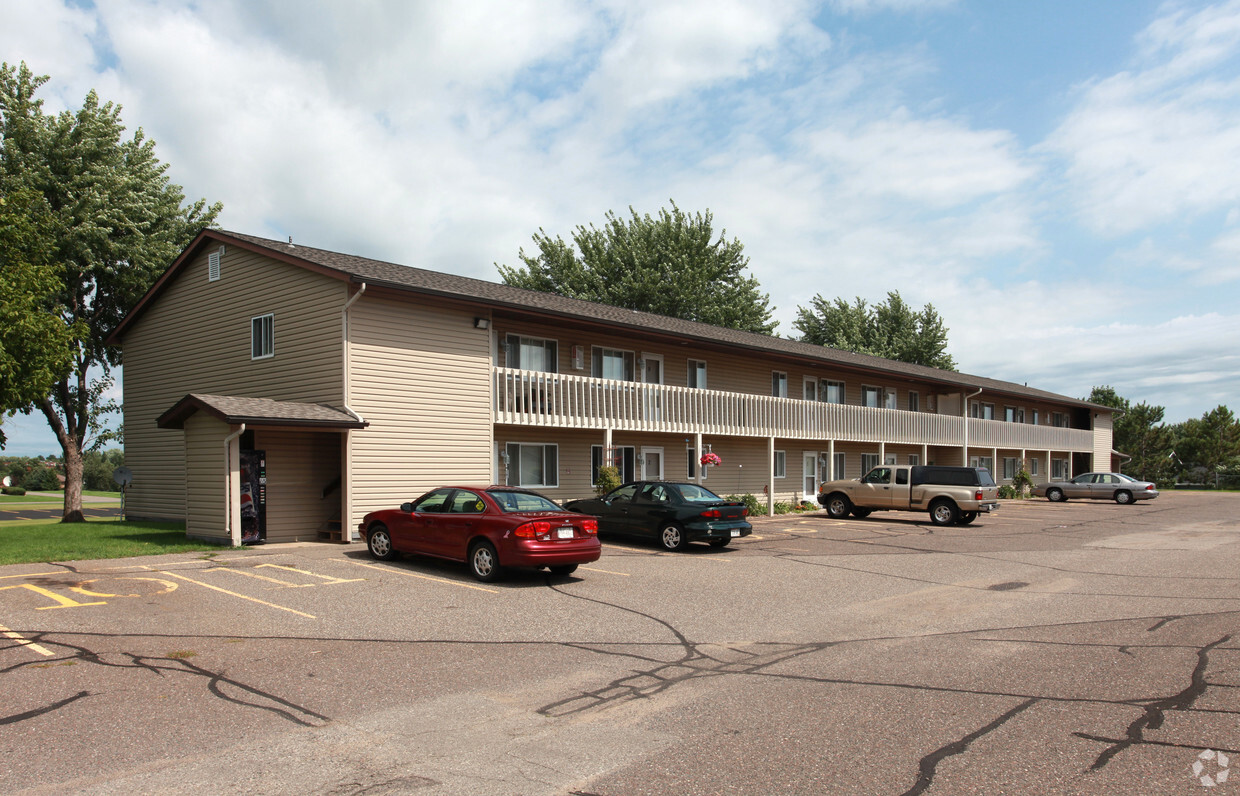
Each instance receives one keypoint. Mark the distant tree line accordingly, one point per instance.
(1203, 450)
(44, 473)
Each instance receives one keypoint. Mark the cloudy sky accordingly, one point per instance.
(1061, 180)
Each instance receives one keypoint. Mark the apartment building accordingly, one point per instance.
(308, 387)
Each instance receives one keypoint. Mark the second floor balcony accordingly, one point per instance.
(558, 400)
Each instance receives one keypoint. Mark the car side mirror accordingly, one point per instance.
(406, 507)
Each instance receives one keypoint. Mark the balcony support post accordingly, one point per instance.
(770, 476)
(697, 457)
(830, 468)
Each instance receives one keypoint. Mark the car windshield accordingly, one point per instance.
(1127, 478)
(511, 501)
(696, 494)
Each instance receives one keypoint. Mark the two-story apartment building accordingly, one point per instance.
(361, 384)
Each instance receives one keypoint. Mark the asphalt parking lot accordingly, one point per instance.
(1071, 648)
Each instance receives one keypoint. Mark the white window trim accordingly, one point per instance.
(555, 362)
(837, 472)
(544, 445)
(874, 461)
(913, 402)
(809, 385)
(823, 384)
(271, 339)
(781, 457)
(698, 468)
(640, 367)
(596, 353)
(878, 396)
(690, 370)
(783, 380)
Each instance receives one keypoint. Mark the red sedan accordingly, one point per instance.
(489, 527)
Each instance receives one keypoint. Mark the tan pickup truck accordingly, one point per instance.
(950, 494)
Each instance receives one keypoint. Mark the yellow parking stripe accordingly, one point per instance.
(395, 571)
(608, 571)
(25, 642)
(32, 574)
(242, 596)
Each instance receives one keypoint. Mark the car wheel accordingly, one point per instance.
(720, 542)
(838, 506)
(563, 570)
(861, 514)
(943, 512)
(1054, 495)
(1123, 497)
(672, 537)
(379, 542)
(483, 561)
(967, 517)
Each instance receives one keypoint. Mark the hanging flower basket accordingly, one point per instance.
(709, 459)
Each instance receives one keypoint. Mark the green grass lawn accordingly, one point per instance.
(51, 540)
(57, 498)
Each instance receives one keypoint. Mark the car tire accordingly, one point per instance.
(720, 542)
(861, 514)
(562, 570)
(379, 543)
(1055, 495)
(944, 512)
(1123, 497)
(672, 537)
(484, 561)
(967, 517)
(838, 506)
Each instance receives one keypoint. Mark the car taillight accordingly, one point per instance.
(745, 512)
(1149, 488)
(590, 525)
(978, 496)
(533, 530)
(712, 514)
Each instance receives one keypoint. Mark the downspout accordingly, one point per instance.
(234, 533)
(965, 411)
(346, 532)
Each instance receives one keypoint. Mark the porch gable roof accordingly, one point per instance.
(234, 410)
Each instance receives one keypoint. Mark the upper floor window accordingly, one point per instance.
(889, 399)
(697, 374)
(610, 363)
(779, 384)
(1034, 419)
(263, 336)
(1059, 419)
(982, 411)
(532, 353)
(831, 392)
(1014, 414)
(870, 396)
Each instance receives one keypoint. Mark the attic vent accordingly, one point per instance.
(213, 265)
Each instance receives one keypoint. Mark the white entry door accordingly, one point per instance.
(652, 373)
(652, 464)
(809, 474)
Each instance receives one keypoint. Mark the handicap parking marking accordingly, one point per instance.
(326, 580)
(63, 602)
(26, 643)
(80, 588)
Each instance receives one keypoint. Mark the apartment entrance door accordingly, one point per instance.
(652, 464)
(809, 474)
(652, 373)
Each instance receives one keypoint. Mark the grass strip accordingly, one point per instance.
(45, 541)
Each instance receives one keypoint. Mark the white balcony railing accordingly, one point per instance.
(531, 398)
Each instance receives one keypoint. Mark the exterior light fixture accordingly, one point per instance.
(482, 323)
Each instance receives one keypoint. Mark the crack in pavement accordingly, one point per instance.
(928, 765)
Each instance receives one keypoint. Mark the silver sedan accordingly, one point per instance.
(1100, 486)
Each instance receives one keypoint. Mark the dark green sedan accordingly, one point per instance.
(673, 513)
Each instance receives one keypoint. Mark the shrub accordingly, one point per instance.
(14, 490)
(608, 479)
(751, 502)
(1007, 492)
(782, 508)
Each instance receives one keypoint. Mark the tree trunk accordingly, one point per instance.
(73, 486)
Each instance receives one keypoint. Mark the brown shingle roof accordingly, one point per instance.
(496, 295)
(257, 411)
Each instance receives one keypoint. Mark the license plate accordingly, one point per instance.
(564, 533)
(735, 533)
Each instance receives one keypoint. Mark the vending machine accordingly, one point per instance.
(253, 496)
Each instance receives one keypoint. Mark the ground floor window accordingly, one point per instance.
(982, 461)
(781, 464)
(623, 457)
(914, 459)
(1059, 468)
(532, 465)
(1033, 467)
(693, 466)
(1009, 468)
(837, 466)
(868, 462)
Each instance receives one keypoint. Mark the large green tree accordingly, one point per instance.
(1140, 433)
(891, 329)
(1210, 444)
(111, 222)
(670, 265)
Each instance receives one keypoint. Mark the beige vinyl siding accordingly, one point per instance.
(421, 376)
(204, 490)
(1103, 440)
(301, 465)
(195, 337)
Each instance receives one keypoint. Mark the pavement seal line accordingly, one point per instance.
(242, 596)
(25, 642)
(608, 572)
(424, 577)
